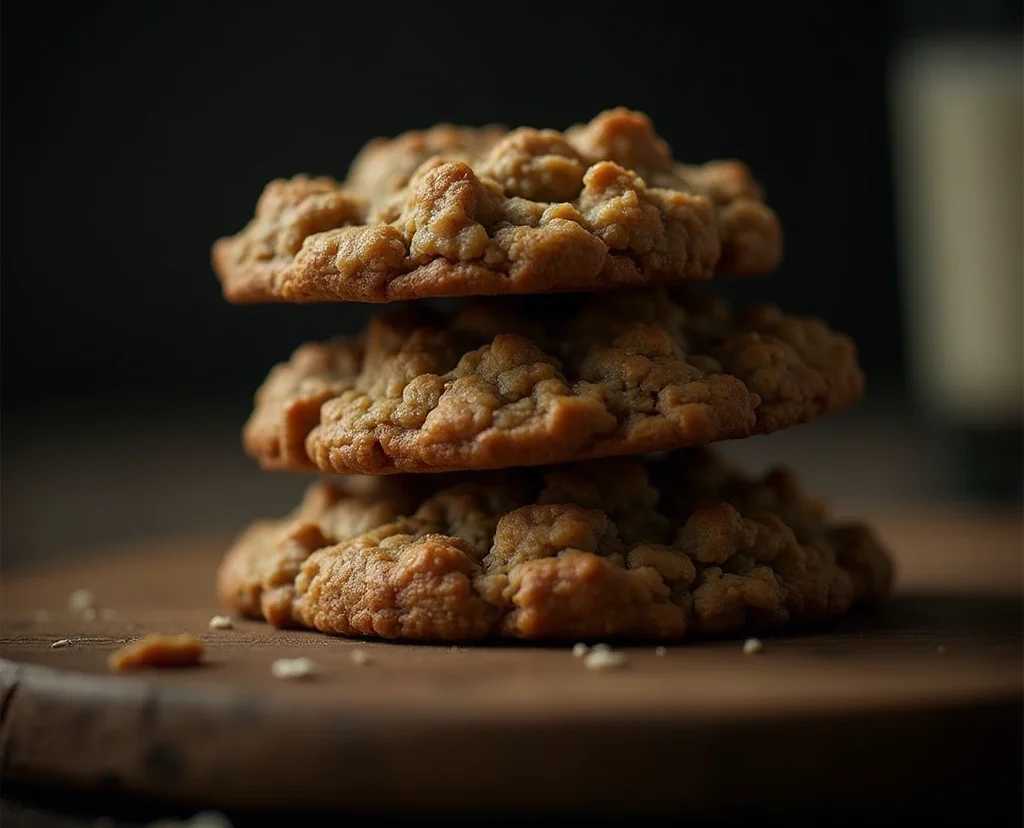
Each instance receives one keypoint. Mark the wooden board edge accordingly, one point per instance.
(227, 750)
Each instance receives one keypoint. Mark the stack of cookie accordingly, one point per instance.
(531, 461)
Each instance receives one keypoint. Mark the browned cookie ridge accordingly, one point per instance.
(501, 383)
(462, 211)
(665, 549)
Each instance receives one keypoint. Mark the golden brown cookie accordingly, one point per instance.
(527, 381)
(462, 211)
(667, 548)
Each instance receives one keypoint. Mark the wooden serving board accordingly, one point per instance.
(921, 696)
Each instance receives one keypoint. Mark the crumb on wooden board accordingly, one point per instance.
(753, 646)
(603, 657)
(292, 668)
(81, 600)
(158, 650)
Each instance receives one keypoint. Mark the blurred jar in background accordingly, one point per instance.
(958, 143)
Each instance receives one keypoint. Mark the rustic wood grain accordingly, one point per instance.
(923, 694)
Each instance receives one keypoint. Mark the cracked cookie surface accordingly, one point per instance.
(675, 547)
(464, 211)
(527, 381)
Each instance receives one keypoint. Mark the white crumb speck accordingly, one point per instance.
(660, 651)
(752, 646)
(580, 650)
(603, 657)
(361, 657)
(221, 622)
(292, 668)
(209, 819)
(108, 614)
(89, 613)
(941, 649)
(60, 643)
(81, 600)
(41, 616)
(204, 819)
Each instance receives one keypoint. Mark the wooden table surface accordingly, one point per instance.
(921, 695)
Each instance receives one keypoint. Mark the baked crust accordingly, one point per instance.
(502, 382)
(663, 548)
(462, 211)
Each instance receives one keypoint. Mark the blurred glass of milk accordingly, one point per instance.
(958, 118)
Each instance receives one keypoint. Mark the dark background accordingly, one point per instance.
(136, 133)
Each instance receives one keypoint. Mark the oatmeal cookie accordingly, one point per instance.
(528, 381)
(462, 211)
(663, 548)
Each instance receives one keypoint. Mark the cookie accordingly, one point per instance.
(665, 548)
(462, 211)
(528, 381)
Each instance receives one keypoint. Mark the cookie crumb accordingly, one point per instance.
(209, 819)
(660, 651)
(941, 649)
(203, 819)
(108, 614)
(753, 646)
(158, 650)
(221, 622)
(60, 643)
(81, 600)
(580, 650)
(41, 616)
(361, 657)
(89, 613)
(603, 657)
(292, 668)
